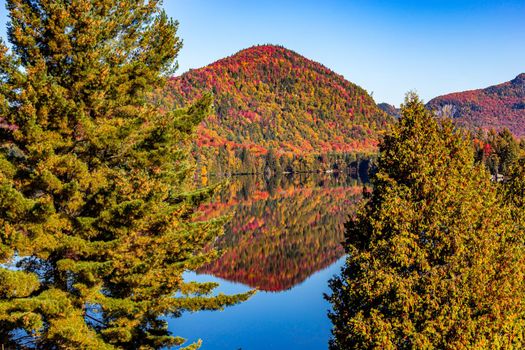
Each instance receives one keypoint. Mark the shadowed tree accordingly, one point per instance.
(95, 201)
(513, 192)
(507, 149)
(434, 258)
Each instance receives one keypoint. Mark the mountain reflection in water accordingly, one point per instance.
(283, 229)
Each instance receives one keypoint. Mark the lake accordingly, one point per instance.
(284, 240)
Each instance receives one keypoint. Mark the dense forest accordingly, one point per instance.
(277, 111)
(496, 107)
(499, 151)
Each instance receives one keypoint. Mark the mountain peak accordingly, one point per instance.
(269, 99)
(257, 52)
(389, 109)
(266, 49)
(519, 80)
(268, 55)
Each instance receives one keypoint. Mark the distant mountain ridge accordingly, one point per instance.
(496, 107)
(390, 110)
(271, 100)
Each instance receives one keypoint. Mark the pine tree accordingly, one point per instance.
(508, 150)
(513, 192)
(272, 165)
(95, 200)
(434, 258)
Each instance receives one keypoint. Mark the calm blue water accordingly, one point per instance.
(293, 319)
(285, 240)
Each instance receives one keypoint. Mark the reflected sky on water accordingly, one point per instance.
(283, 239)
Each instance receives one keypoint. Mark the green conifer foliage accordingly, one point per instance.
(434, 259)
(513, 192)
(507, 149)
(95, 202)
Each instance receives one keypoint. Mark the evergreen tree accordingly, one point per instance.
(272, 165)
(95, 202)
(513, 192)
(498, 150)
(434, 259)
(508, 150)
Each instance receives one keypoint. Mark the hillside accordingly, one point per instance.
(496, 107)
(277, 109)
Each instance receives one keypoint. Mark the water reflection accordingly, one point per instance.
(283, 238)
(283, 229)
(292, 319)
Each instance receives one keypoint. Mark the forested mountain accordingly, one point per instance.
(276, 109)
(496, 107)
(389, 109)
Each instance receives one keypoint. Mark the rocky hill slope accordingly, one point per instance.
(496, 107)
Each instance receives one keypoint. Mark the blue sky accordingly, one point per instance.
(386, 46)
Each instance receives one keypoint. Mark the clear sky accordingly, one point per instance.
(386, 46)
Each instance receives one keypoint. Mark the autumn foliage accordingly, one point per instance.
(283, 230)
(496, 107)
(267, 97)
